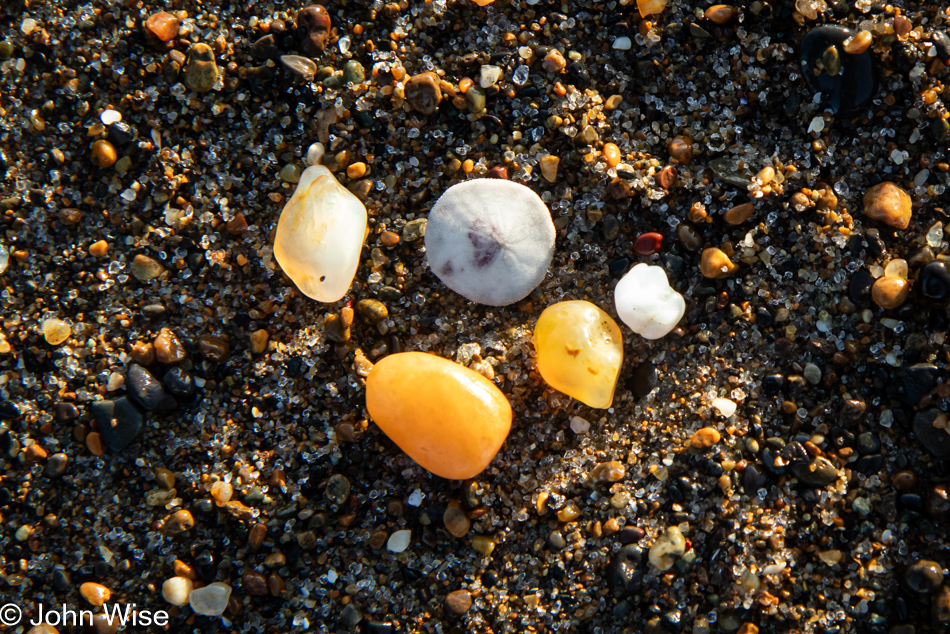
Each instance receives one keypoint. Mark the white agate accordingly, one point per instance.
(490, 240)
(646, 303)
(319, 236)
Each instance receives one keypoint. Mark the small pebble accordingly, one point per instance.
(313, 29)
(889, 292)
(163, 26)
(739, 214)
(716, 264)
(646, 303)
(888, 203)
(211, 600)
(669, 547)
(168, 349)
(56, 331)
(704, 438)
(399, 541)
(104, 154)
(145, 268)
(423, 93)
(175, 590)
(458, 602)
(455, 520)
(200, 72)
(95, 593)
(549, 164)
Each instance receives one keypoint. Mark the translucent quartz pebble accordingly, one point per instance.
(319, 236)
(579, 349)
(646, 303)
(210, 600)
(449, 419)
(490, 240)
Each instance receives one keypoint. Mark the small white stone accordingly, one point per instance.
(399, 541)
(4, 257)
(315, 154)
(622, 44)
(320, 235)
(211, 600)
(27, 26)
(415, 498)
(490, 240)
(177, 589)
(646, 303)
(489, 75)
(579, 425)
(110, 116)
(724, 406)
(667, 549)
(817, 124)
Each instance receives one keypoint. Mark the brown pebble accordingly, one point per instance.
(180, 522)
(890, 291)
(716, 264)
(905, 481)
(276, 585)
(423, 93)
(168, 348)
(255, 583)
(163, 25)
(902, 25)
(377, 539)
(888, 203)
(104, 154)
(98, 249)
(95, 593)
(164, 478)
(704, 438)
(259, 340)
(689, 237)
(748, 628)
(858, 43)
(498, 172)
(35, 453)
(611, 154)
(313, 27)
(554, 61)
(389, 238)
(184, 570)
(611, 526)
(720, 13)
(455, 520)
(739, 214)
(255, 537)
(69, 216)
(236, 225)
(667, 177)
(94, 443)
(681, 149)
(357, 170)
(214, 348)
(372, 310)
(458, 602)
(145, 269)
(200, 73)
(143, 352)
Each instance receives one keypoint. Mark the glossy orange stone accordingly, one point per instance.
(449, 419)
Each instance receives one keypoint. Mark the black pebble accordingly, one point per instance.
(179, 383)
(753, 479)
(914, 382)
(65, 412)
(618, 267)
(9, 409)
(490, 579)
(147, 392)
(121, 133)
(941, 42)
(763, 317)
(876, 246)
(773, 383)
(934, 281)
(854, 85)
(118, 422)
(577, 75)
(623, 573)
(859, 288)
(204, 566)
(60, 581)
(643, 379)
(630, 535)
(868, 443)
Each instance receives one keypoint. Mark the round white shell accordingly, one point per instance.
(646, 303)
(490, 240)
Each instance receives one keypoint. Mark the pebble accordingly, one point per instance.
(579, 425)
(168, 349)
(846, 81)
(458, 602)
(319, 236)
(739, 214)
(265, 47)
(648, 243)
(211, 600)
(646, 303)
(669, 547)
(724, 406)
(689, 237)
(118, 422)
(399, 541)
(302, 67)
(455, 520)
(254, 583)
(554, 61)
(104, 154)
(475, 99)
(934, 281)
(643, 379)
(338, 489)
(145, 268)
(95, 593)
(930, 428)
(622, 43)
(448, 418)
(353, 72)
(56, 331)
(611, 154)
(605, 472)
(258, 341)
(888, 203)
(423, 93)
(214, 348)
(890, 291)
(650, 7)
(200, 73)
(489, 75)
(181, 521)
(222, 491)
(705, 438)
(313, 29)
(579, 351)
(940, 608)
(624, 573)
(681, 149)
(812, 373)
(490, 240)
(720, 13)
(924, 576)
(99, 249)
(163, 26)
(56, 465)
(549, 164)
(373, 311)
(179, 383)
(415, 230)
(817, 473)
(716, 264)
(175, 590)
(146, 391)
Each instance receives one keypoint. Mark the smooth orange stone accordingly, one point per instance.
(162, 25)
(888, 203)
(579, 350)
(449, 419)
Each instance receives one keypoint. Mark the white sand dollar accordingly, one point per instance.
(490, 240)
(320, 235)
(646, 303)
